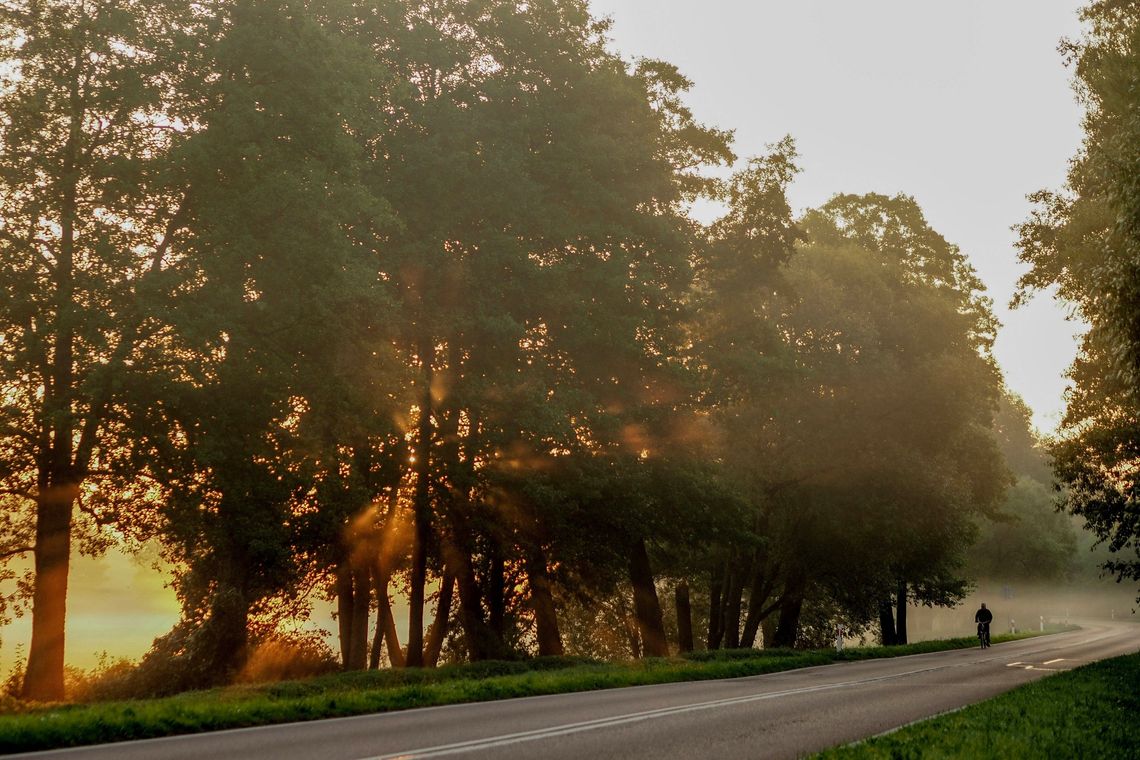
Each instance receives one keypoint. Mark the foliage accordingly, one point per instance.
(90, 199)
(335, 300)
(1027, 539)
(1084, 240)
(881, 442)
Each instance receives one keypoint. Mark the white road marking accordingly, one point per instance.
(1050, 662)
(618, 720)
(1012, 664)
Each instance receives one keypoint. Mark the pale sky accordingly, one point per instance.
(965, 105)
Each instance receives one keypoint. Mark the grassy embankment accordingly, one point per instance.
(1090, 712)
(26, 728)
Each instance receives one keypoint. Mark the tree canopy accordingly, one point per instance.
(403, 304)
(1084, 241)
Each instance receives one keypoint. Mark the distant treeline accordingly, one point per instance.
(364, 299)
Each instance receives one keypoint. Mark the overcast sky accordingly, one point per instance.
(964, 105)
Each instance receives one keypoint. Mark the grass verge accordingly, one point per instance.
(1090, 712)
(345, 694)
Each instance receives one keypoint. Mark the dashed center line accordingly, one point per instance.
(1050, 662)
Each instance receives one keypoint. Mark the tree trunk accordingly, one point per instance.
(422, 520)
(684, 618)
(226, 630)
(886, 623)
(344, 609)
(768, 630)
(646, 606)
(43, 679)
(716, 617)
(352, 603)
(385, 622)
(58, 482)
(475, 629)
(631, 636)
(442, 616)
(791, 604)
(900, 605)
(377, 642)
(496, 595)
(358, 653)
(542, 604)
(760, 593)
(732, 603)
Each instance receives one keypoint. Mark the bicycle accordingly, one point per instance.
(984, 634)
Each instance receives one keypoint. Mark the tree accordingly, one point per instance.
(744, 360)
(1027, 538)
(280, 327)
(1023, 449)
(888, 428)
(542, 259)
(1085, 240)
(91, 202)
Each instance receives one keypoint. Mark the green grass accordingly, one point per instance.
(1090, 712)
(26, 729)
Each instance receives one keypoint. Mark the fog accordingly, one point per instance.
(1025, 604)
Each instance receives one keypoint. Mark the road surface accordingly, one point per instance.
(780, 715)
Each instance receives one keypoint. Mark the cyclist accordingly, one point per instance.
(983, 618)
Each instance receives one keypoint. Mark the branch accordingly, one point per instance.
(33, 242)
(101, 521)
(172, 226)
(15, 432)
(102, 397)
(8, 553)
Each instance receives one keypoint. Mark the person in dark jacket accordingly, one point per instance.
(983, 618)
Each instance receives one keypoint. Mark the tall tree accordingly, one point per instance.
(282, 322)
(882, 442)
(542, 257)
(743, 359)
(91, 203)
(1085, 240)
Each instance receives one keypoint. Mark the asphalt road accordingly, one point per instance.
(781, 715)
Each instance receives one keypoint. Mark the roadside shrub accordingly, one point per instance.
(288, 659)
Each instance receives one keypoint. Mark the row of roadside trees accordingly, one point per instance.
(401, 302)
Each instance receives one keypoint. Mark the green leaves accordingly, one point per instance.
(1085, 241)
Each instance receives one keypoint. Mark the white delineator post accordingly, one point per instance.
(839, 631)
(1042, 624)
